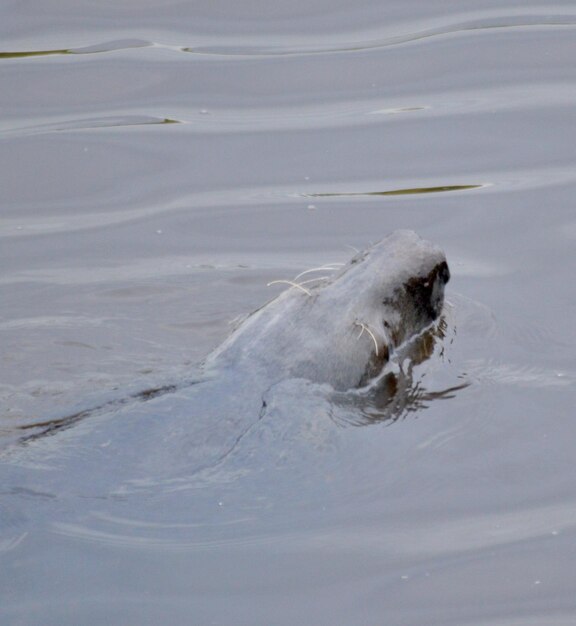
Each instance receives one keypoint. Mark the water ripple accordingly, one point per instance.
(467, 534)
(240, 50)
(280, 195)
(310, 115)
(385, 42)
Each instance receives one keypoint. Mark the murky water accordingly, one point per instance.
(160, 163)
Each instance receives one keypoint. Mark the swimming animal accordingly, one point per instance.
(334, 328)
(337, 330)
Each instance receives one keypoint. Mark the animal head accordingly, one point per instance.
(397, 285)
(340, 328)
(396, 290)
(382, 297)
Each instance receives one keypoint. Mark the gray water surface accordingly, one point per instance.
(160, 163)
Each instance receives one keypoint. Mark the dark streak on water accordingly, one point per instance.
(396, 192)
(109, 46)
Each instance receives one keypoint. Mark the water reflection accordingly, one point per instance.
(108, 46)
(88, 124)
(395, 192)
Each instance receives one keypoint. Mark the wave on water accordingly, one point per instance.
(308, 48)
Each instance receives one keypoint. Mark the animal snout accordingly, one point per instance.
(444, 272)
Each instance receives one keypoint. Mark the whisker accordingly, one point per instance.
(365, 327)
(323, 268)
(311, 280)
(291, 283)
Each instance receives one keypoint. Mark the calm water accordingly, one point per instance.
(160, 163)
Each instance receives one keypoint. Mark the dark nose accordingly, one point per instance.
(444, 272)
